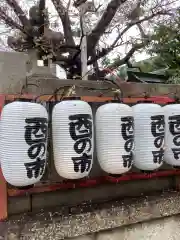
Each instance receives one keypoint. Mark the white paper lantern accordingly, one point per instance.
(114, 137)
(72, 125)
(148, 136)
(23, 142)
(172, 134)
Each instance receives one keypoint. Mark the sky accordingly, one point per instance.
(123, 49)
(133, 32)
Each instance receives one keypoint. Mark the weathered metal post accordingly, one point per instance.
(84, 8)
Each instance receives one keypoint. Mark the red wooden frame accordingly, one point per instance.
(4, 191)
(155, 99)
(93, 182)
(3, 185)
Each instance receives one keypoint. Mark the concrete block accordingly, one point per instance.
(102, 192)
(18, 205)
(165, 228)
(13, 71)
(85, 237)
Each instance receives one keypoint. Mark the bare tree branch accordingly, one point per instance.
(40, 31)
(136, 22)
(79, 2)
(101, 54)
(11, 23)
(42, 16)
(19, 12)
(124, 60)
(63, 14)
(68, 5)
(106, 51)
(103, 23)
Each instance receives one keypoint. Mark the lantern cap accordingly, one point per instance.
(23, 99)
(26, 187)
(115, 175)
(176, 167)
(147, 171)
(168, 103)
(72, 98)
(114, 101)
(176, 100)
(145, 101)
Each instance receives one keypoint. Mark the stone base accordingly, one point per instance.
(107, 216)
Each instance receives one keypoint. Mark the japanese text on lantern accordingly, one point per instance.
(127, 130)
(174, 128)
(158, 132)
(80, 129)
(36, 137)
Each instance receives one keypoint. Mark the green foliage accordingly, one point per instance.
(174, 76)
(151, 64)
(122, 72)
(105, 62)
(164, 49)
(166, 44)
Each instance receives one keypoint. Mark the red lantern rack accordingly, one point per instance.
(6, 192)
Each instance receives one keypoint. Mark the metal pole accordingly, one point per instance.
(84, 68)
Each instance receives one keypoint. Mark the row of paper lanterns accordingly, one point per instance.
(124, 136)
